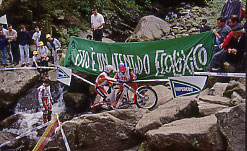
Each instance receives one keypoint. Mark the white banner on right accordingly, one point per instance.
(187, 85)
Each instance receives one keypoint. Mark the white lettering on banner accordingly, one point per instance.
(176, 63)
(93, 62)
(179, 64)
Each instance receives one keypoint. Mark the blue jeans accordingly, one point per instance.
(23, 49)
(218, 59)
(10, 53)
(3, 53)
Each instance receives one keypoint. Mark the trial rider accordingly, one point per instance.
(102, 80)
(126, 75)
(45, 100)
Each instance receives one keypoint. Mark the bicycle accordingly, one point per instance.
(144, 97)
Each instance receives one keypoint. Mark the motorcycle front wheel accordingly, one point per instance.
(146, 98)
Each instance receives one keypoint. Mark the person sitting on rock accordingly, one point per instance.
(234, 53)
(45, 100)
(103, 80)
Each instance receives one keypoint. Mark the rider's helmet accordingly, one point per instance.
(122, 67)
(109, 69)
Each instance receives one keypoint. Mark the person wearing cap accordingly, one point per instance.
(23, 39)
(43, 56)
(36, 61)
(54, 45)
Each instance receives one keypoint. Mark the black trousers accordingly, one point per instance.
(98, 34)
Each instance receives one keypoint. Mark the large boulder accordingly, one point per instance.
(175, 109)
(218, 89)
(12, 85)
(150, 28)
(164, 94)
(206, 108)
(198, 134)
(114, 130)
(231, 123)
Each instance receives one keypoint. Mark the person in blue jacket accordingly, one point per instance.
(3, 49)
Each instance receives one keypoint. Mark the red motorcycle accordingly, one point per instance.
(144, 97)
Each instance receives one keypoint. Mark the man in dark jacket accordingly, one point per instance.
(24, 38)
(204, 27)
(3, 49)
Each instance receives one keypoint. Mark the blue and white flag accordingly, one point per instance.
(64, 75)
(187, 85)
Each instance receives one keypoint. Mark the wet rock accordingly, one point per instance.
(216, 100)
(78, 101)
(12, 85)
(150, 28)
(231, 123)
(206, 108)
(6, 136)
(198, 134)
(9, 120)
(175, 109)
(103, 131)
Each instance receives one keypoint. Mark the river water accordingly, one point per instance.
(31, 115)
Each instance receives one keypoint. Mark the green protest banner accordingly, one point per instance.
(150, 60)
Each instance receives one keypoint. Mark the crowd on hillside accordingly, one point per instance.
(229, 51)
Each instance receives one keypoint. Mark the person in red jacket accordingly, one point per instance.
(102, 80)
(125, 74)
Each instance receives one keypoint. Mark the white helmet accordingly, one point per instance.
(109, 68)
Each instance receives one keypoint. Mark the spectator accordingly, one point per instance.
(204, 27)
(54, 45)
(38, 36)
(233, 22)
(61, 57)
(232, 7)
(43, 56)
(89, 37)
(233, 53)
(97, 23)
(8, 50)
(11, 36)
(224, 29)
(3, 49)
(24, 38)
(3, 29)
(36, 61)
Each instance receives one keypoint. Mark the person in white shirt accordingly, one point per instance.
(97, 23)
(38, 36)
(54, 45)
